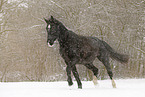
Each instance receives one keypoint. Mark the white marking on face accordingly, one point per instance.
(53, 44)
(49, 26)
(50, 45)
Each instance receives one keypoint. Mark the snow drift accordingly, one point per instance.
(125, 88)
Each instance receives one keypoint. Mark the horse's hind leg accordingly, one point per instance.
(105, 60)
(95, 71)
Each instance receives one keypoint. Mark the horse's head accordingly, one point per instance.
(52, 30)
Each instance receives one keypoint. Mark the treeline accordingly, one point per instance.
(25, 55)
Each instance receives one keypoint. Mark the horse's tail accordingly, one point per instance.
(114, 55)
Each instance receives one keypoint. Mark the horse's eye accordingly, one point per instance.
(53, 27)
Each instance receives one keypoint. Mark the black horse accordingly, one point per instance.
(77, 49)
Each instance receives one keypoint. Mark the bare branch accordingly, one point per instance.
(37, 18)
(138, 49)
(57, 4)
(59, 7)
(13, 7)
(4, 72)
(6, 31)
(31, 27)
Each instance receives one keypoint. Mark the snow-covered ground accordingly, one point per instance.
(125, 88)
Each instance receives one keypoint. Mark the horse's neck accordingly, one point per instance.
(66, 35)
(63, 35)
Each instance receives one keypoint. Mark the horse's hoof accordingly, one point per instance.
(70, 83)
(79, 87)
(113, 83)
(95, 81)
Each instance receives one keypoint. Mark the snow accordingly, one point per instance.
(125, 88)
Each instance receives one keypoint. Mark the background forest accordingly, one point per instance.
(25, 55)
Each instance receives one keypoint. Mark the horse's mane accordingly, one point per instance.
(57, 22)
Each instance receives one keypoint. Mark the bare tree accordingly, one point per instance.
(23, 48)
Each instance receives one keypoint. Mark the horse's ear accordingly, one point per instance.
(46, 20)
(52, 19)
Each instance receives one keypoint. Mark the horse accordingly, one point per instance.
(78, 49)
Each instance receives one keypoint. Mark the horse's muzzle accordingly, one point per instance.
(50, 43)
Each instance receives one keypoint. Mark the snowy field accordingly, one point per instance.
(125, 88)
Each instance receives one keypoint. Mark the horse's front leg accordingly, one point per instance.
(68, 68)
(69, 79)
(76, 75)
(71, 67)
